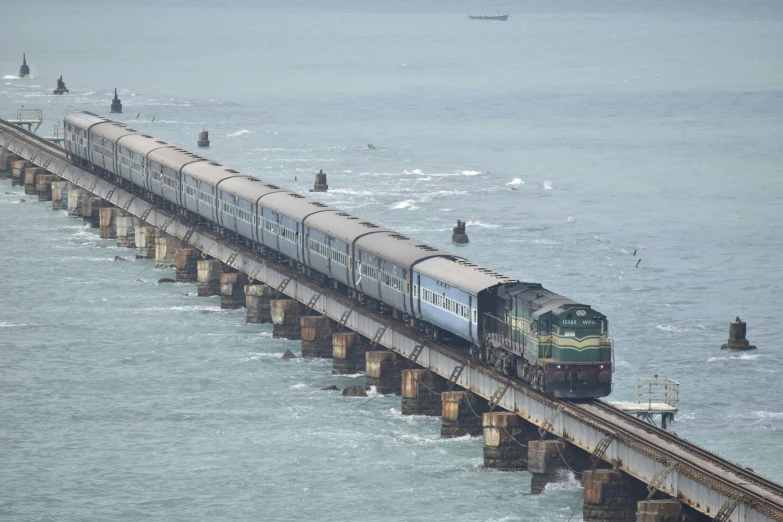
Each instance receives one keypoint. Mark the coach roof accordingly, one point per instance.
(398, 248)
(462, 274)
(294, 205)
(249, 188)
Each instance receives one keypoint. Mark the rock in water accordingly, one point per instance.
(99, 245)
(289, 355)
(118, 258)
(166, 280)
(354, 391)
(331, 388)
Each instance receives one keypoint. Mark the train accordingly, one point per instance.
(525, 331)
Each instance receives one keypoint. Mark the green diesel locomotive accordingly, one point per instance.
(557, 345)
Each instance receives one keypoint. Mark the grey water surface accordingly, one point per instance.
(568, 137)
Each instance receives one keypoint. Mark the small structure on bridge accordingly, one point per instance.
(28, 117)
(203, 138)
(56, 137)
(737, 341)
(656, 396)
(61, 88)
(320, 182)
(458, 234)
(116, 104)
(24, 70)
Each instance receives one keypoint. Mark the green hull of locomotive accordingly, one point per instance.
(557, 345)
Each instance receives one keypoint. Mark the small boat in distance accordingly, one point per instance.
(489, 17)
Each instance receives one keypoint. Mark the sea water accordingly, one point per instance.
(569, 137)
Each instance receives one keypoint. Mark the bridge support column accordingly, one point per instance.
(209, 271)
(610, 496)
(348, 353)
(17, 171)
(669, 510)
(43, 186)
(60, 191)
(384, 371)
(232, 290)
(145, 242)
(126, 230)
(108, 222)
(75, 196)
(166, 251)
(91, 211)
(5, 163)
(317, 331)
(421, 391)
(545, 463)
(286, 319)
(462, 413)
(505, 438)
(29, 180)
(257, 302)
(187, 265)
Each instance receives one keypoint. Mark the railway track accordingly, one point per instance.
(722, 475)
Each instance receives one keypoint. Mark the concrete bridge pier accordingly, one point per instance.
(506, 437)
(462, 413)
(108, 222)
(546, 461)
(611, 496)
(348, 353)
(29, 179)
(384, 371)
(667, 510)
(232, 290)
(75, 197)
(43, 186)
(286, 318)
(6, 157)
(145, 242)
(126, 230)
(166, 251)
(209, 271)
(60, 191)
(421, 393)
(91, 210)
(187, 265)
(257, 301)
(317, 332)
(18, 168)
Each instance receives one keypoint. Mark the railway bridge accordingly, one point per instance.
(631, 470)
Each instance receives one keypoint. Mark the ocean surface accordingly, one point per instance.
(568, 137)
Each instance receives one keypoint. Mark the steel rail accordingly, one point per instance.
(700, 464)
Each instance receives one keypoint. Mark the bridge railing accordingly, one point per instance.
(658, 390)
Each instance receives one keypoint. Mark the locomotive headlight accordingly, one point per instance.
(601, 367)
(558, 366)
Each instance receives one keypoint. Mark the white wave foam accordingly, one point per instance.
(298, 386)
(4, 324)
(547, 185)
(408, 203)
(238, 133)
(570, 219)
(479, 224)
(740, 357)
(473, 172)
(347, 172)
(414, 171)
(567, 481)
(515, 181)
(681, 329)
(16, 77)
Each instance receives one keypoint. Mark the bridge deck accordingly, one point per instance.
(701, 479)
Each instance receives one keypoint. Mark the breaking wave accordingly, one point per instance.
(740, 357)
(515, 181)
(408, 203)
(238, 133)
